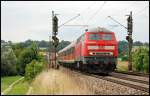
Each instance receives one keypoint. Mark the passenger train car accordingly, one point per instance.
(95, 51)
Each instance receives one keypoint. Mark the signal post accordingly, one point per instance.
(129, 39)
(54, 38)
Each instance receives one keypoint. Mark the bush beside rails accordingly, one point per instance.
(123, 57)
(140, 59)
(32, 69)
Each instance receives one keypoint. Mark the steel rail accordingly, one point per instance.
(128, 78)
(133, 73)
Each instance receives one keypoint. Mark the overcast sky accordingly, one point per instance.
(22, 20)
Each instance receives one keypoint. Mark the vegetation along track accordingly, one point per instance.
(136, 82)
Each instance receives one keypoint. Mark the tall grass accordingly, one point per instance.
(58, 82)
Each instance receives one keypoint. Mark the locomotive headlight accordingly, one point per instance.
(91, 53)
(93, 47)
(109, 47)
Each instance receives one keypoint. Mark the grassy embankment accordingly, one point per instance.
(19, 88)
(6, 81)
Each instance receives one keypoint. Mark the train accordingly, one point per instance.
(95, 51)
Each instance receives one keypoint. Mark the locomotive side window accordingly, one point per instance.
(107, 36)
(94, 36)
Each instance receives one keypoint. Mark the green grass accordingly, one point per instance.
(20, 88)
(8, 80)
(122, 66)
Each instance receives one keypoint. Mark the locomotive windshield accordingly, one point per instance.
(97, 36)
(107, 36)
(94, 36)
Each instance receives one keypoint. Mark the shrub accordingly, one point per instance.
(146, 62)
(141, 59)
(32, 69)
(124, 58)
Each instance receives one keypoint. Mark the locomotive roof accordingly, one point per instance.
(94, 29)
(98, 29)
(69, 46)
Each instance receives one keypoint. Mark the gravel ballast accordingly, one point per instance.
(102, 87)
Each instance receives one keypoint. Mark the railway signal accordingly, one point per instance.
(55, 25)
(56, 41)
(129, 37)
(54, 33)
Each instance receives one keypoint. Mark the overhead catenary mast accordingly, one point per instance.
(55, 39)
(129, 37)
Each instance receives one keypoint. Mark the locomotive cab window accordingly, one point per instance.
(94, 36)
(107, 36)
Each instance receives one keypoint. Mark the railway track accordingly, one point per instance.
(136, 82)
(135, 85)
(126, 81)
(133, 81)
(133, 73)
(134, 78)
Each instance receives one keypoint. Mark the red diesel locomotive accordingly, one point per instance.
(95, 51)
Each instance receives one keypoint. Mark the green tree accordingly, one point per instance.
(43, 44)
(122, 48)
(26, 57)
(8, 61)
(27, 43)
(62, 45)
(17, 48)
(137, 43)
